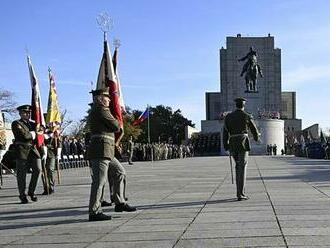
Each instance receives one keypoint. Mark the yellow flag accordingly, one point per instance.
(53, 118)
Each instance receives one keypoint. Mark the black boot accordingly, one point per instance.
(99, 217)
(124, 207)
(106, 204)
(23, 199)
(33, 197)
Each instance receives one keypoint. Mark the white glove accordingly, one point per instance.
(44, 151)
(2, 152)
(46, 136)
(33, 133)
(58, 154)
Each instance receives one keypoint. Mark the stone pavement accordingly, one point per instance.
(182, 203)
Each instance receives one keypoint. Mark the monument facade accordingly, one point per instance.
(273, 109)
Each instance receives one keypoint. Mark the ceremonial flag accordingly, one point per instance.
(302, 140)
(107, 78)
(295, 141)
(53, 118)
(115, 67)
(37, 113)
(2, 133)
(322, 139)
(309, 137)
(142, 117)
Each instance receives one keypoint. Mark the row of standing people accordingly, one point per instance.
(159, 151)
(271, 149)
(73, 146)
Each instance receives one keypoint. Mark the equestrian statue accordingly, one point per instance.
(251, 69)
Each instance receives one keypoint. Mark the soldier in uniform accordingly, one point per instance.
(26, 153)
(53, 145)
(236, 140)
(101, 153)
(130, 150)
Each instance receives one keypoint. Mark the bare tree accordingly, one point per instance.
(77, 129)
(66, 122)
(7, 103)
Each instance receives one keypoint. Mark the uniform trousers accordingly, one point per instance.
(241, 159)
(50, 169)
(22, 166)
(130, 156)
(100, 169)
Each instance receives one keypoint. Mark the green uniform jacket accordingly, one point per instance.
(102, 126)
(24, 145)
(235, 131)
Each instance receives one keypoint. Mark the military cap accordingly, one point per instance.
(98, 92)
(240, 99)
(25, 107)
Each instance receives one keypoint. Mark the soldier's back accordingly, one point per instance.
(237, 122)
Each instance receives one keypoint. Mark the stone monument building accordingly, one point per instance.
(273, 109)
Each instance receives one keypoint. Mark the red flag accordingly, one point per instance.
(37, 113)
(115, 67)
(107, 78)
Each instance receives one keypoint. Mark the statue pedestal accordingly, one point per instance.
(253, 102)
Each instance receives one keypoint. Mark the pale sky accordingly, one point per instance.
(170, 49)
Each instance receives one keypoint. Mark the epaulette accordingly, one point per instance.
(249, 114)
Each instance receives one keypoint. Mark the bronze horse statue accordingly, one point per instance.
(251, 75)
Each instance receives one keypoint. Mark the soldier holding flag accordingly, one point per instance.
(52, 138)
(105, 123)
(26, 153)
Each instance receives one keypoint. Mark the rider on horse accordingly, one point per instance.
(251, 69)
(251, 57)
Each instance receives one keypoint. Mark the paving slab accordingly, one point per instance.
(182, 203)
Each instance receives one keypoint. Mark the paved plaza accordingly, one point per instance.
(182, 203)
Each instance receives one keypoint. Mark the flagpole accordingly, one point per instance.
(148, 123)
(151, 148)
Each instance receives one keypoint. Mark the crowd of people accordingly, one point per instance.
(73, 146)
(271, 149)
(206, 144)
(161, 151)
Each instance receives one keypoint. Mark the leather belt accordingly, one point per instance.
(22, 143)
(239, 135)
(102, 136)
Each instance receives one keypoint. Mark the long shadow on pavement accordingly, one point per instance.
(40, 224)
(24, 211)
(51, 214)
(184, 204)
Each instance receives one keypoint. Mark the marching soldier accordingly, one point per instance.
(236, 140)
(26, 153)
(101, 153)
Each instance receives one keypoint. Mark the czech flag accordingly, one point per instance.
(142, 117)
